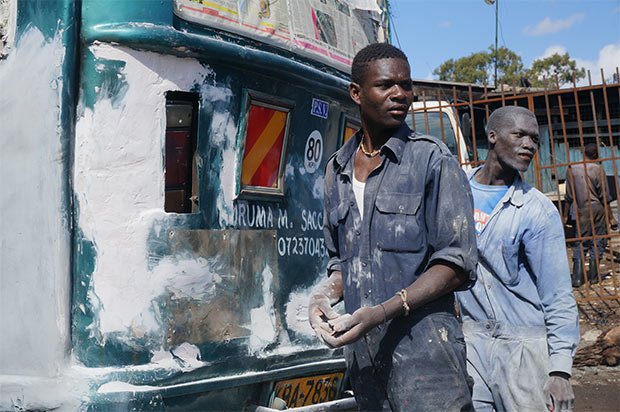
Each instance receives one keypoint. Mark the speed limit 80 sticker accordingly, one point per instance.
(313, 153)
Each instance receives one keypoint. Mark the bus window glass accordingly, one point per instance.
(435, 124)
(351, 126)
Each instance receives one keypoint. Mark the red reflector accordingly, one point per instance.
(178, 144)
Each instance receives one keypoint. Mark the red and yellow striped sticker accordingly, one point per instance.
(349, 131)
(263, 146)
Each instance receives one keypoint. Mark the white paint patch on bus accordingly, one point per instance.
(35, 245)
(119, 185)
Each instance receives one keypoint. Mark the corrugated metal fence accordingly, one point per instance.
(569, 119)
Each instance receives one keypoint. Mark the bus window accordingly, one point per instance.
(266, 133)
(430, 123)
(351, 126)
(180, 184)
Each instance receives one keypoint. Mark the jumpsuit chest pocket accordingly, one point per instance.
(506, 262)
(341, 218)
(398, 214)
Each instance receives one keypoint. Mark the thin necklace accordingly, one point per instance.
(367, 153)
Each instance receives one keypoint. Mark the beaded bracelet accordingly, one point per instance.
(403, 295)
(384, 313)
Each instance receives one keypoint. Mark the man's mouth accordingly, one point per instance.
(398, 110)
(527, 156)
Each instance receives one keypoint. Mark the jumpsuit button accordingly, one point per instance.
(401, 207)
(352, 203)
(364, 264)
(357, 232)
(487, 326)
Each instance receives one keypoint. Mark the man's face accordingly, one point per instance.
(384, 94)
(516, 142)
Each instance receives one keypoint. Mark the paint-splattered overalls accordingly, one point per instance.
(417, 210)
(520, 318)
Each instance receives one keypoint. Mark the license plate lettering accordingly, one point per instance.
(295, 396)
(309, 390)
(309, 387)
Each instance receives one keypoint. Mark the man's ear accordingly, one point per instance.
(354, 92)
(492, 137)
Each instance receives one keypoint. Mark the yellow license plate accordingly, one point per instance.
(309, 390)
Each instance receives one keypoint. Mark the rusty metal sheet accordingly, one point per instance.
(237, 260)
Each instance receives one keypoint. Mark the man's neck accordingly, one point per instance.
(493, 173)
(375, 138)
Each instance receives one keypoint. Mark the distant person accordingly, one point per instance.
(587, 196)
(520, 318)
(399, 232)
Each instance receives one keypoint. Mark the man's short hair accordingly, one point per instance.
(505, 116)
(375, 51)
(591, 151)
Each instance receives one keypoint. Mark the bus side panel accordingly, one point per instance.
(158, 288)
(37, 72)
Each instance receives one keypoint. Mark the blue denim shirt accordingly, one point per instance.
(523, 275)
(418, 209)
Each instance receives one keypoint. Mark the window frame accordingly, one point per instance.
(191, 99)
(256, 98)
(347, 120)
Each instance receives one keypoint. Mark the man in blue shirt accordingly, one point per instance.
(520, 318)
(399, 232)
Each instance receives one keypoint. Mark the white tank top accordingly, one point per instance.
(358, 191)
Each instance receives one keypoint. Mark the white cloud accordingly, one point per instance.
(608, 60)
(548, 25)
(551, 50)
(446, 24)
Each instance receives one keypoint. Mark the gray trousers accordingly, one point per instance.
(509, 365)
(414, 364)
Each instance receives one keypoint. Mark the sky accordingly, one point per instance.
(433, 31)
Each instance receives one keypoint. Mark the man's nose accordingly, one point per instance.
(530, 144)
(399, 92)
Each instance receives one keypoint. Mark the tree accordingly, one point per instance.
(479, 68)
(559, 66)
(509, 66)
(469, 69)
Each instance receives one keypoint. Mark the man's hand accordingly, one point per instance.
(613, 223)
(347, 328)
(559, 394)
(319, 312)
(566, 220)
(323, 297)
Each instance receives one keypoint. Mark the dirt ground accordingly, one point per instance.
(597, 388)
(596, 385)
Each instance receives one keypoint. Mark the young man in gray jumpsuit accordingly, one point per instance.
(520, 318)
(399, 232)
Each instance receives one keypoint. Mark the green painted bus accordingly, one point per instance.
(162, 207)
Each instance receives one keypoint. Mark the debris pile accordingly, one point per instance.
(604, 351)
